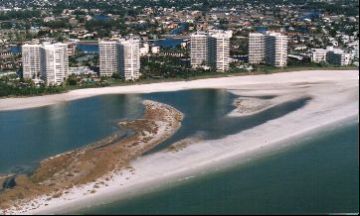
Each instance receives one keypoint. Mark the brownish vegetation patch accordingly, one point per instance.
(182, 144)
(85, 165)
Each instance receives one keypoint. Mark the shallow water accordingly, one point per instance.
(319, 175)
(28, 136)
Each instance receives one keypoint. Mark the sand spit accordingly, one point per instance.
(308, 77)
(334, 100)
(246, 106)
(94, 164)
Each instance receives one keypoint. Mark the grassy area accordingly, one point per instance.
(56, 175)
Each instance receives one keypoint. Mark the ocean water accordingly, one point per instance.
(318, 175)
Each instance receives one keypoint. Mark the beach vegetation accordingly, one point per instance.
(154, 69)
(14, 86)
(72, 80)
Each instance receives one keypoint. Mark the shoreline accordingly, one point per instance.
(117, 193)
(174, 179)
(93, 163)
(334, 100)
(19, 103)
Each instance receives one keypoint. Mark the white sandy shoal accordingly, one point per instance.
(335, 99)
(224, 82)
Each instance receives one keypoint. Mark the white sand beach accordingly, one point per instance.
(334, 100)
(224, 82)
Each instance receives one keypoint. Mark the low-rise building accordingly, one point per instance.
(331, 55)
(318, 55)
(338, 57)
(155, 50)
(145, 49)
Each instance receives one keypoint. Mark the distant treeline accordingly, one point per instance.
(123, 8)
(21, 14)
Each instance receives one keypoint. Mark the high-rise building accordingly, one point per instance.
(256, 48)
(219, 50)
(46, 61)
(121, 56)
(270, 48)
(129, 63)
(198, 49)
(55, 63)
(211, 49)
(31, 61)
(109, 57)
(276, 46)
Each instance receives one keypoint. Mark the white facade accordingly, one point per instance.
(55, 63)
(211, 49)
(355, 49)
(219, 50)
(318, 55)
(46, 61)
(81, 70)
(338, 57)
(198, 49)
(270, 48)
(145, 49)
(276, 46)
(31, 61)
(155, 49)
(108, 57)
(331, 55)
(129, 59)
(256, 48)
(121, 56)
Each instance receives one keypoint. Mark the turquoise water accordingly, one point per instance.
(319, 175)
